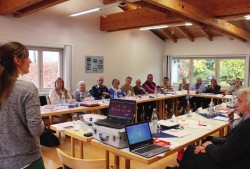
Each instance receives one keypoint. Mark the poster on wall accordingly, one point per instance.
(94, 64)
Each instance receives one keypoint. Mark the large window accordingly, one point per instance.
(225, 70)
(46, 66)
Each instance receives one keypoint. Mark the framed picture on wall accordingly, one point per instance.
(94, 64)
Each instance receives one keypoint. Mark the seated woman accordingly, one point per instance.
(56, 94)
(212, 88)
(166, 87)
(115, 91)
(183, 100)
(81, 92)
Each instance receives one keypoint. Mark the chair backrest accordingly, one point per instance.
(48, 100)
(43, 100)
(76, 163)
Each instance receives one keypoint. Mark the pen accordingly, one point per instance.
(201, 124)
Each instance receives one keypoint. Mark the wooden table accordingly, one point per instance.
(74, 134)
(196, 136)
(160, 104)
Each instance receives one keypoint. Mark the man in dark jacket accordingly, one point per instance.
(230, 154)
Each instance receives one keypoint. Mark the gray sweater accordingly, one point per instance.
(20, 127)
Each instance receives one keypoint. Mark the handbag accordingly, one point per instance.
(48, 138)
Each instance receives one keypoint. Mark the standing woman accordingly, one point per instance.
(21, 123)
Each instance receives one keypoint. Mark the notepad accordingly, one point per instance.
(177, 133)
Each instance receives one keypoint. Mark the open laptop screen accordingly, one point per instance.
(123, 109)
(138, 134)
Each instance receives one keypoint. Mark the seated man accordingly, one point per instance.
(212, 88)
(149, 86)
(199, 87)
(235, 87)
(230, 154)
(100, 91)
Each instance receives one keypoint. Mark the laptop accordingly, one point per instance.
(140, 140)
(121, 112)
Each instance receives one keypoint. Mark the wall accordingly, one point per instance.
(126, 53)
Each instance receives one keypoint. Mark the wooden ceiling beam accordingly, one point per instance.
(247, 23)
(221, 7)
(201, 16)
(166, 33)
(37, 7)
(185, 32)
(137, 18)
(209, 28)
(210, 37)
(10, 6)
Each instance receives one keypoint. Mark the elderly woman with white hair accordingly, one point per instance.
(81, 92)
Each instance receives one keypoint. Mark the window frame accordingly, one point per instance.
(40, 51)
(217, 59)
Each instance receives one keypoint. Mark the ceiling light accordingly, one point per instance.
(188, 24)
(154, 27)
(85, 12)
(247, 17)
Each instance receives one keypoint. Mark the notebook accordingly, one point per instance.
(121, 112)
(140, 140)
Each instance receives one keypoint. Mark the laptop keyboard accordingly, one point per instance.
(146, 149)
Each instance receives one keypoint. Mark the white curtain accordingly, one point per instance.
(67, 66)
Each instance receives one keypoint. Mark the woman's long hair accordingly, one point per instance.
(8, 69)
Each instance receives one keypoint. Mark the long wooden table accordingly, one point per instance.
(160, 104)
(196, 136)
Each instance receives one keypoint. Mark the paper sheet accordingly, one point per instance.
(200, 126)
(176, 133)
(221, 118)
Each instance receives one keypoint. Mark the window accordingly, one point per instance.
(46, 66)
(224, 69)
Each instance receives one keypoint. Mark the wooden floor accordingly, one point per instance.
(52, 161)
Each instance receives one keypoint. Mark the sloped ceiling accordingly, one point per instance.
(210, 18)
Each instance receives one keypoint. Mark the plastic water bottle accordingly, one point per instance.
(63, 99)
(188, 109)
(154, 123)
(211, 110)
(115, 95)
(156, 92)
(81, 96)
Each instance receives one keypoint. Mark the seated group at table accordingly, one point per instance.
(100, 91)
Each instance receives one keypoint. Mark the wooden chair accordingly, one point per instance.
(76, 163)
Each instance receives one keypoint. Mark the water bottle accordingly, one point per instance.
(211, 109)
(156, 92)
(154, 123)
(63, 99)
(115, 95)
(188, 109)
(81, 96)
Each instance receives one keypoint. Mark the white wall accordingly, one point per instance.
(126, 53)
